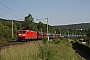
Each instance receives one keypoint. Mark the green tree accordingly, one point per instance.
(50, 29)
(18, 25)
(88, 33)
(1, 24)
(5, 33)
(29, 23)
(41, 27)
(7, 23)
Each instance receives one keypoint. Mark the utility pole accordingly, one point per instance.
(47, 29)
(12, 29)
(60, 31)
(47, 26)
(55, 31)
(41, 29)
(68, 33)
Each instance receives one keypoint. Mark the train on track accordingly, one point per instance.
(29, 34)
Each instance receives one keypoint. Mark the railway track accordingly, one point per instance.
(3, 45)
(10, 44)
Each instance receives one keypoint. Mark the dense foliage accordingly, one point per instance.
(75, 26)
(41, 51)
(5, 32)
(81, 28)
(28, 23)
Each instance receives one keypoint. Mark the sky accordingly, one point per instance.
(59, 12)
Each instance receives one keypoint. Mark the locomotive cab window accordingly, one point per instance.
(24, 32)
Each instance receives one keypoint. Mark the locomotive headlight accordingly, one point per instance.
(23, 34)
(19, 34)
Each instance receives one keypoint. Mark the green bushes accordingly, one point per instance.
(5, 34)
(56, 40)
(57, 49)
(6, 31)
(45, 40)
(46, 53)
(40, 51)
(27, 51)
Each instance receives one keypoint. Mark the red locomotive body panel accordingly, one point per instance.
(27, 34)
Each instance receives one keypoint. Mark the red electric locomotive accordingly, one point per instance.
(27, 34)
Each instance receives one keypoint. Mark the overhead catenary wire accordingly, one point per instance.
(19, 6)
(2, 16)
(12, 19)
(8, 12)
(16, 4)
(11, 10)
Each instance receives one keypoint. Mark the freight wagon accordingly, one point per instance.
(29, 35)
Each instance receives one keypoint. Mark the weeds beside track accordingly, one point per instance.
(14, 43)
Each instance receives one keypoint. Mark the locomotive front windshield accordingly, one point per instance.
(22, 32)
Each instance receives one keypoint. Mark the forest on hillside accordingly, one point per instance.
(28, 23)
(75, 26)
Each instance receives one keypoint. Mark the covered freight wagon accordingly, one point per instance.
(40, 35)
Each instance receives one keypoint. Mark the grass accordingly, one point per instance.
(24, 52)
(40, 51)
(65, 51)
